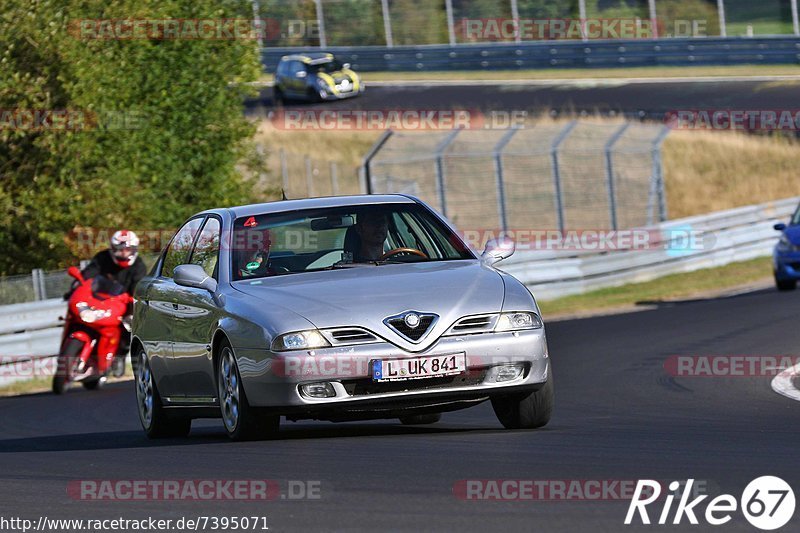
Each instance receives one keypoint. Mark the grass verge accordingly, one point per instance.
(674, 286)
(44, 384)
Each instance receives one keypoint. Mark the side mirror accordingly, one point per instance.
(779, 226)
(301, 74)
(194, 276)
(75, 272)
(497, 250)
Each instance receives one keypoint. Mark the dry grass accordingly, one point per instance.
(709, 171)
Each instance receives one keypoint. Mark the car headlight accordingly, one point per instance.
(322, 85)
(518, 320)
(299, 340)
(786, 245)
(89, 314)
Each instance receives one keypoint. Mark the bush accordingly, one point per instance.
(169, 132)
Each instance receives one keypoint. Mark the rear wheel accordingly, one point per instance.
(152, 415)
(418, 420)
(277, 96)
(526, 411)
(94, 383)
(242, 422)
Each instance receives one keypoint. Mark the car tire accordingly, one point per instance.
(313, 96)
(277, 96)
(785, 285)
(418, 420)
(241, 421)
(526, 411)
(152, 414)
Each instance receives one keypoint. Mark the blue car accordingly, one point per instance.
(786, 256)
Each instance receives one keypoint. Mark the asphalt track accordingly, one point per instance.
(619, 416)
(646, 99)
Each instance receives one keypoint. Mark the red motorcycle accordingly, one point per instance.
(95, 318)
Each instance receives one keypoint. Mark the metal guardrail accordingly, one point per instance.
(727, 236)
(549, 54)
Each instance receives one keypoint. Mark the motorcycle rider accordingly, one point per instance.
(121, 263)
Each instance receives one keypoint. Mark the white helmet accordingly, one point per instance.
(124, 247)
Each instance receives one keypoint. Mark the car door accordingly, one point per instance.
(195, 321)
(297, 78)
(162, 307)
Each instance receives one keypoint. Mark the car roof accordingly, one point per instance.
(281, 206)
(313, 58)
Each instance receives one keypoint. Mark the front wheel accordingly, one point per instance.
(785, 285)
(526, 411)
(65, 366)
(152, 415)
(242, 422)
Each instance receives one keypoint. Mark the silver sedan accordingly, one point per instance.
(347, 308)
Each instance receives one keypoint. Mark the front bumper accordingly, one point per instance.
(272, 380)
(786, 265)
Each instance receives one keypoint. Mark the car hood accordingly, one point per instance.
(366, 295)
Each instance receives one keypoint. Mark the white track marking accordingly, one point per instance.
(782, 383)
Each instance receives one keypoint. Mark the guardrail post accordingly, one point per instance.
(366, 172)
(498, 174)
(323, 41)
(309, 179)
(387, 23)
(795, 18)
(451, 31)
(334, 178)
(440, 185)
(657, 179)
(723, 25)
(612, 196)
(557, 172)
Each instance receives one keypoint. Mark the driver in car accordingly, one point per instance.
(372, 228)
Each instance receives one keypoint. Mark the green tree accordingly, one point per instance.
(170, 128)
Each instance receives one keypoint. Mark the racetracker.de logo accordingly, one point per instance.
(545, 489)
(729, 366)
(192, 489)
(396, 119)
(734, 119)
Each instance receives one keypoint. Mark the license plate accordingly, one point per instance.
(428, 366)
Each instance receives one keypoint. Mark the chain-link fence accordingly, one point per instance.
(552, 176)
(38, 285)
(306, 23)
(305, 177)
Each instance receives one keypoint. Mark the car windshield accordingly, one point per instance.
(796, 218)
(320, 239)
(329, 67)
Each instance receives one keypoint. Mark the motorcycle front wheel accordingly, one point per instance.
(66, 365)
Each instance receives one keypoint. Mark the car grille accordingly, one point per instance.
(414, 334)
(474, 324)
(366, 387)
(350, 336)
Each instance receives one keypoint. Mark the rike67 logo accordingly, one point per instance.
(767, 503)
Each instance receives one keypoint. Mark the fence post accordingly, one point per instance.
(657, 179)
(498, 174)
(653, 17)
(440, 185)
(582, 16)
(309, 178)
(387, 23)
(563, 134)
(258, 25)
(334, 178)
(284, 173)
(366, 185)
(795, 18)
(723, 25)
(612, 196)
(323, 41)
(36, 279)
(515, 18)
(448, 6)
